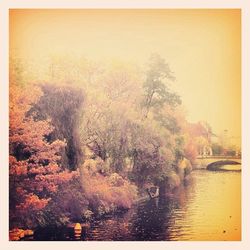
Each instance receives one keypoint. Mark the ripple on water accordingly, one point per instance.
(206, 209)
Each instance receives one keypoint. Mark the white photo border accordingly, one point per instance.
(5, 5)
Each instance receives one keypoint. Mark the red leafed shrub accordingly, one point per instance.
(108, 193)
(33, 202)
(34, 163)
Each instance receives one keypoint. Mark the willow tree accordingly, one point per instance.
(62, 105)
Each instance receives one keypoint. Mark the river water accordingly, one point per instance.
(207, 208)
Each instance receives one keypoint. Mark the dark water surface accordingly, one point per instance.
(207, 208)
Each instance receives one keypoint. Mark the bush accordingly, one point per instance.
(107, 194)
(68, 205)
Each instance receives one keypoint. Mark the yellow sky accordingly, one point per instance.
(203, 48)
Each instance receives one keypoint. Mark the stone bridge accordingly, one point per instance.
(203, 161)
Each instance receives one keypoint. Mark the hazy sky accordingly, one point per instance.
(202, 47)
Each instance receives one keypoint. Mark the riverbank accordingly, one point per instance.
(177, 177)
(208, 208)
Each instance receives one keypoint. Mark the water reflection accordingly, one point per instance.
(208, 208)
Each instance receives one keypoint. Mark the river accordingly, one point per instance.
(207, 208)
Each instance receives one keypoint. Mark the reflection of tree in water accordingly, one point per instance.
(154, 219)
(113, 228)
(149, 221)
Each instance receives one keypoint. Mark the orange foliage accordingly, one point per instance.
(32, 201)
(190, 150)
(107, 193)
(34, 163)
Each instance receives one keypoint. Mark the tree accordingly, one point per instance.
(217, 149)
(34, 163)
(156, 86)
(201, 134)
(62, 105)
(108, 111)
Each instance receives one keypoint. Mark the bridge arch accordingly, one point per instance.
(203, 162)
(217, 165)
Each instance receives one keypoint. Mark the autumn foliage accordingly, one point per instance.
(106, 193)
(91, 146)
(34, 163)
